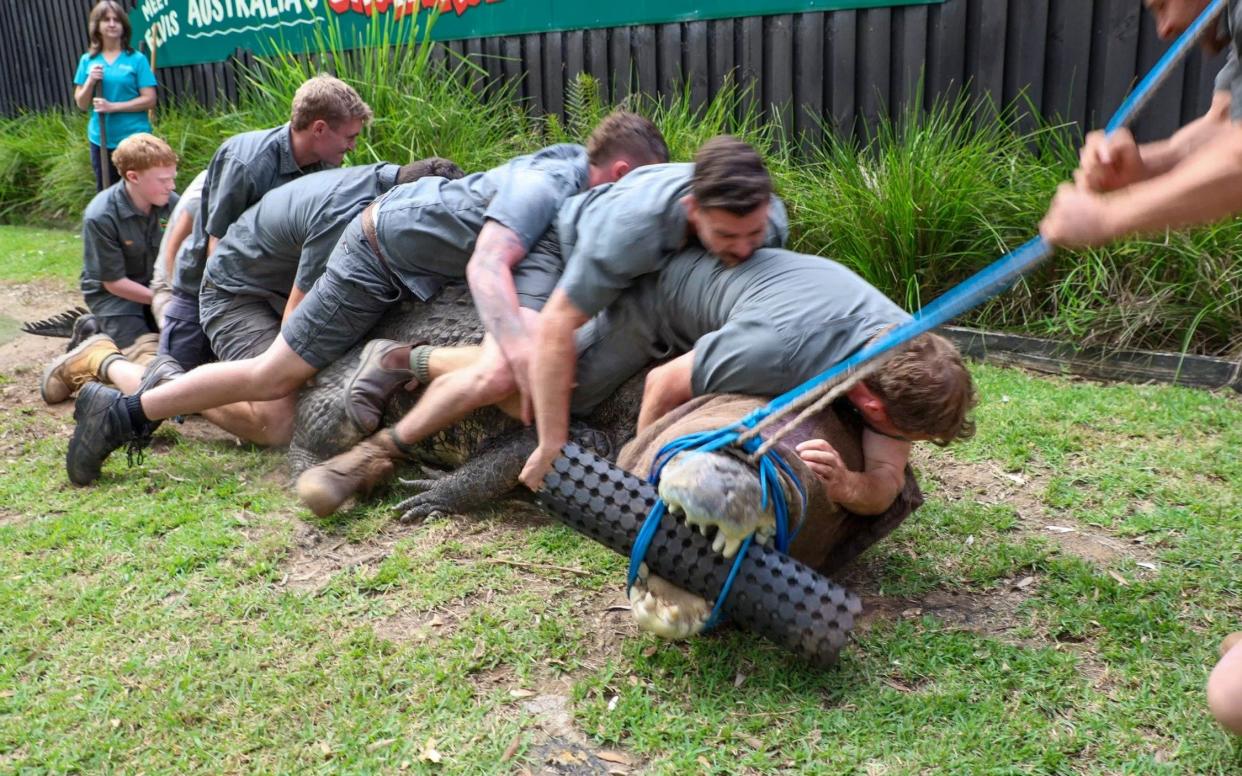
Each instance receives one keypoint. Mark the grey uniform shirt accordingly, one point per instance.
(427, 229)
(188, 203)
(119, 241)
(618, 232)
(244, 168)
(287, 237)
(1230, 77)
(766, 325)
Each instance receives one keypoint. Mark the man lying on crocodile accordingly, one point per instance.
(761, 328)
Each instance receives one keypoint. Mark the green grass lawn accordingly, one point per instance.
(30, 253)
(180, 616)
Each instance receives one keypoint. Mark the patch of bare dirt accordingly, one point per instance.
(990, 614)
(23, 356)
(418, 626)
(558, 746)
(987, 483)
(315, 557)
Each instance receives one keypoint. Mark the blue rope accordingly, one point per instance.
(991, 281)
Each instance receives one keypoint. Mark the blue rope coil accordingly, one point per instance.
(991, 281)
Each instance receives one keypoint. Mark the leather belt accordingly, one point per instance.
(368, 231)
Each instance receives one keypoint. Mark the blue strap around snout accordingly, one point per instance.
(771, 466)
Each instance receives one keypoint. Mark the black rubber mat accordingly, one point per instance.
(773, 595)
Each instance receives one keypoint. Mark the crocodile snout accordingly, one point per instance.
(715, 491)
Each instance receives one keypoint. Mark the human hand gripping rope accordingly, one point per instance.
(816, 394)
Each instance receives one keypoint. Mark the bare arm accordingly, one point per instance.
(869, 492)
(83, 94)
(296, 295)
(1113, 162)
(667, 388)
(1161, 156)
(212, 242)
(180, 231)
(490, 275)
(128, 289)
(1202, 189)
(552, 382)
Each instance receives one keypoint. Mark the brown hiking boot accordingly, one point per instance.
(368, 388)
(69, 372)
(324, 488)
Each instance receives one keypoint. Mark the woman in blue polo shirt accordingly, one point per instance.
(128, 85)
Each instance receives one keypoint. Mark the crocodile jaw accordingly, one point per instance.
(666, 610)
(716, 491)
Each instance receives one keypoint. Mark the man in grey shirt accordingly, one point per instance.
(407, 242)
(1122, 188)
(272, 256)
(327, 117)
(765, 327)
(724, 205)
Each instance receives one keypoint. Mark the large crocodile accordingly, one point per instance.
(485, 452)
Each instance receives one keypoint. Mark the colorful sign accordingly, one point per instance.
(187, 32)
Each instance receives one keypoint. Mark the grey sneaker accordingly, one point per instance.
(161, 370)
(371, 384)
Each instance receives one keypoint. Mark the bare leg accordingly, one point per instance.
(265, 423)
(456, 394)
(125, 375)
(274, 375)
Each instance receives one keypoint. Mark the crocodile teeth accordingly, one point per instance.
(731, 547)
(719, 544)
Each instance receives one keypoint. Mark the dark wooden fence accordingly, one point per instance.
(1073, 60)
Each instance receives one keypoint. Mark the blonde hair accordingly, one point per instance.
(328, 99)
(100, 10)
(142, 151)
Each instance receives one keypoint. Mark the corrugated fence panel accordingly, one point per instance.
(1073, 60)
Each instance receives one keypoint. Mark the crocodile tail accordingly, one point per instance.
(59, 325)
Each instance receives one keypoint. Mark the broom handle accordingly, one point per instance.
(104, 160)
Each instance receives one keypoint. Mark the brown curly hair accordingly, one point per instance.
(927, 390)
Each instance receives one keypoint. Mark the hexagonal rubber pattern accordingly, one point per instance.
(773, 594)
